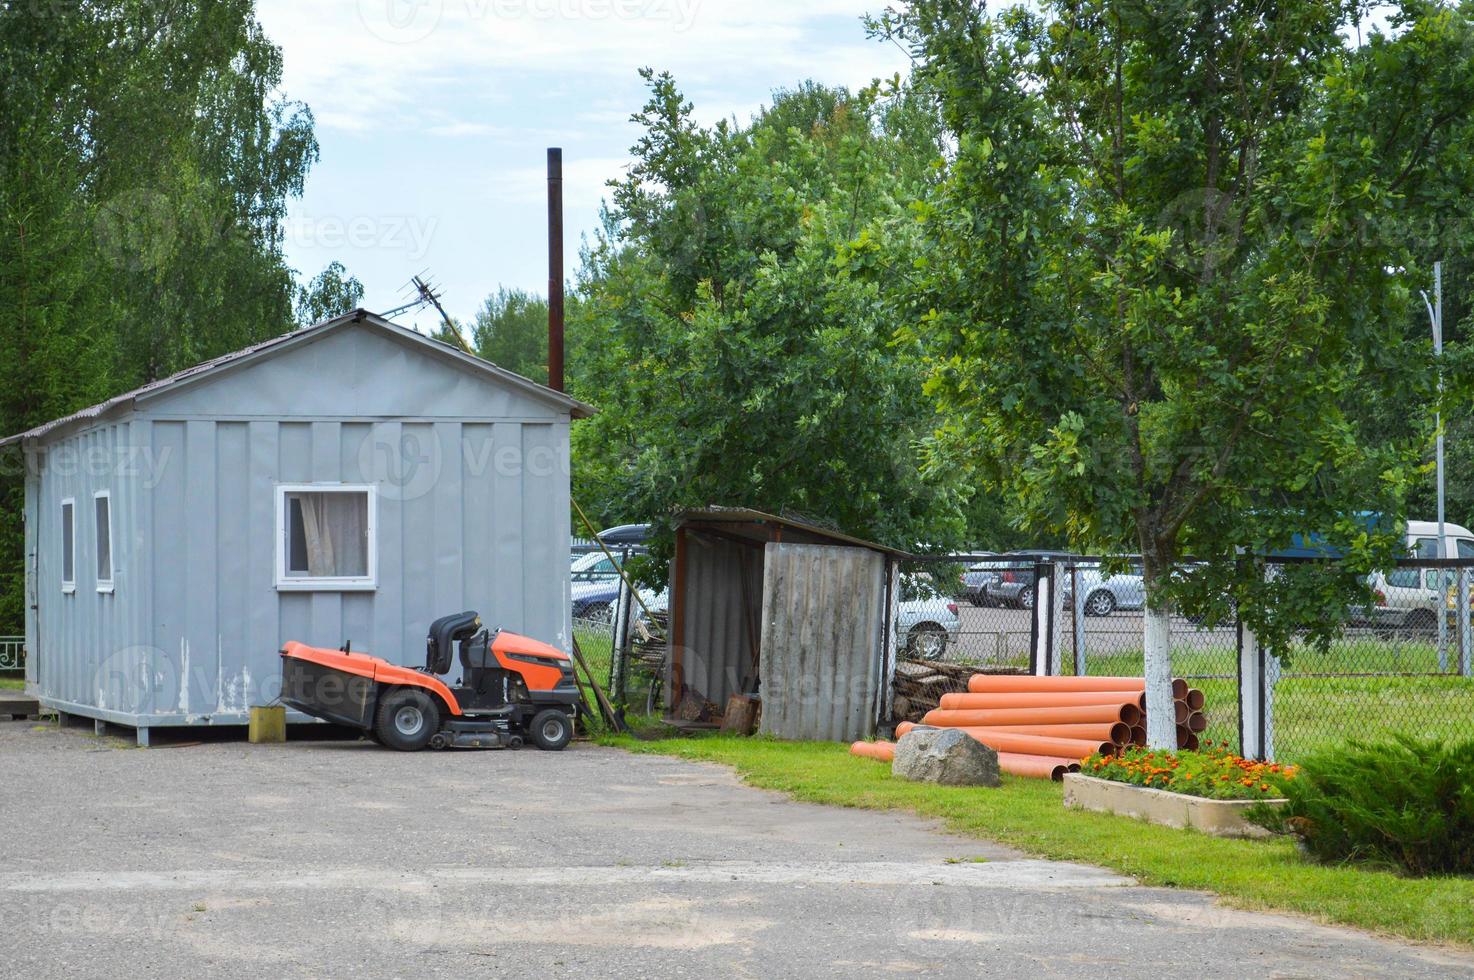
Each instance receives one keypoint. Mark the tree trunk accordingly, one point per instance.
(1161, 722)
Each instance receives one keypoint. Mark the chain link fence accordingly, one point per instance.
(1098, 632)
(630, 664)
(955, 617)
(1399, 663)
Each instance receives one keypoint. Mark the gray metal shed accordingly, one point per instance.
(350, 481)
(796, 613)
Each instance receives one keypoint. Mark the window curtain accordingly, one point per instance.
(335, 527)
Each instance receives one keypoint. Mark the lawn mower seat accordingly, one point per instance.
(445, 632)
(476, 652)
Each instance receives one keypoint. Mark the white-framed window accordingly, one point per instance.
(69, 544)
(102, 507)
(325, 539)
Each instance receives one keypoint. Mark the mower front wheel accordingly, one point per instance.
(407, 719)
(551, 729)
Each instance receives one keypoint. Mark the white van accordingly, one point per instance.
(1422, 540)
(1409, 599)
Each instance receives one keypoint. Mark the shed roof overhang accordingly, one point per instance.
(758, 528)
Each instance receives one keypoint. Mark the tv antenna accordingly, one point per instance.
(425, 293)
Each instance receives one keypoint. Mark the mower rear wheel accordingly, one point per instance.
(551, 729)
(407, 719)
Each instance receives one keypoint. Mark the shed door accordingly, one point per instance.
(822, 650)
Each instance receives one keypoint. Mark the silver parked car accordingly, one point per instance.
(926, 620)
(1105, 594)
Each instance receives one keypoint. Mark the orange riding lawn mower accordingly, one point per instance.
(512, 689)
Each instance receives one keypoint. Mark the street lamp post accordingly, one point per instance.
(1435, 314)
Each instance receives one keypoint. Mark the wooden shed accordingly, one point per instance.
(344, 483)
(794, 614)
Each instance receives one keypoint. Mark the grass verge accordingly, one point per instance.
(1027, 814)
(12, 683)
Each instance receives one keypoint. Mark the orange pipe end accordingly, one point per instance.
(1036, 766)
(1195, 699)
(903, 728)
(884, 751)
(1138, 735)
(1197, 722)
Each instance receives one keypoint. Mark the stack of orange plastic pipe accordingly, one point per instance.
(1044, 726)
(1191, 720)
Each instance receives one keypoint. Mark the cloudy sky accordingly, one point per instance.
(434, 117)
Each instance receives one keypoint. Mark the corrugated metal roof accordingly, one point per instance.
(745, 515)
(125, 401)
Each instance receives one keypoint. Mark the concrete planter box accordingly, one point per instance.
(1221, 818)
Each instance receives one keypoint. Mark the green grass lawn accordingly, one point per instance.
(12, 683)
(594, 644)
(1027, 814)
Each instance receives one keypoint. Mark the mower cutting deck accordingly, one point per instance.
(512, 688)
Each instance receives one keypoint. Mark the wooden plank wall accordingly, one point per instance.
(822, 650)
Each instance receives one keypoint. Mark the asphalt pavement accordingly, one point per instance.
(341, 859)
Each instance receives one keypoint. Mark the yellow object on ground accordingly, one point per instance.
(269, 724)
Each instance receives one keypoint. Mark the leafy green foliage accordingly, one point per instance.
(1172, 251)
(332, 292)
(145, 166)
(1407, 803)
(511, 330)
(738, 320)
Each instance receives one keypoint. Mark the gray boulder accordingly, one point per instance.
(946, 756)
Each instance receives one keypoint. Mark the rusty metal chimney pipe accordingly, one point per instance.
(555, 268)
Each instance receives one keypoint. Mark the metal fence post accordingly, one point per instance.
(1077, 604)
(1041, 657)
(888, 640)
(1466, 641)
(1258, 672)
(1057, 614)
(1266, 700)
(618, 641)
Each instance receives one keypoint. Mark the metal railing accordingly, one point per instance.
(12, 653)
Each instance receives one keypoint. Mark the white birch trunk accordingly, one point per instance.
(1161, 720)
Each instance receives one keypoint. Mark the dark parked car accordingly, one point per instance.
(975, 581)
(596, 576)
(1015, 583)
(591, 599)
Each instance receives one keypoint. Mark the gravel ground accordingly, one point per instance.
(340, 859)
